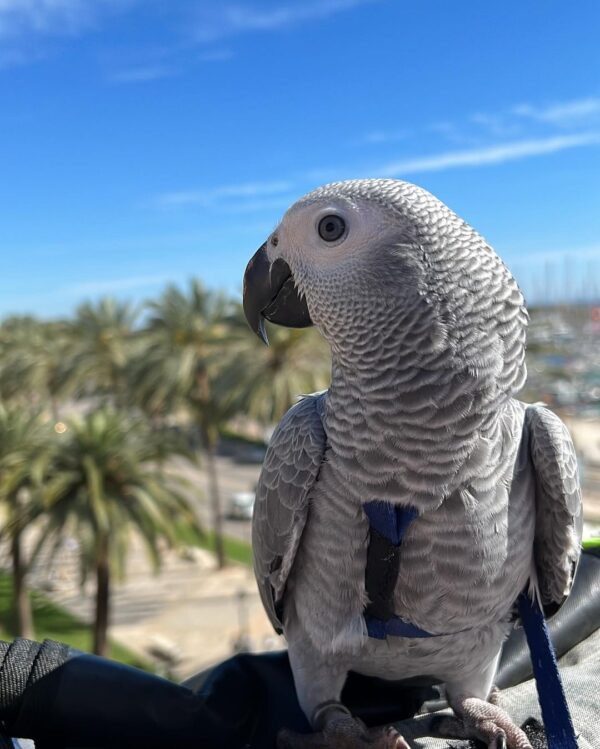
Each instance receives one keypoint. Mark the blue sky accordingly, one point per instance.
(146, 141)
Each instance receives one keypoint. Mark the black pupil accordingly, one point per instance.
(331, 228)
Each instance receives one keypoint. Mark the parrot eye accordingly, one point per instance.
(331, 228)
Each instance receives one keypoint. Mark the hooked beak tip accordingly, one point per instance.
(262, 332)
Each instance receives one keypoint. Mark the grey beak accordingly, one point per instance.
(270, 293)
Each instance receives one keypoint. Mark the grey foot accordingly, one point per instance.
(343, 732)
(490, 724)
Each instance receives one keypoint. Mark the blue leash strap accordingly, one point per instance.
(560, 732)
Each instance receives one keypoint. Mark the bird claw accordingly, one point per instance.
(491, 724)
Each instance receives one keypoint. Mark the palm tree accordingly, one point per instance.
(24, 443)
(264, 381)
(105, 483)
(101, 339)
(176, 371)
(32, 353)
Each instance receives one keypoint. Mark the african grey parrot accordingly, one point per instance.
(427, 333)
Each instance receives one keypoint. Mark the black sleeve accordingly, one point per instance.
(61, 698)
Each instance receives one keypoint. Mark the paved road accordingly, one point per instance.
(233, 477)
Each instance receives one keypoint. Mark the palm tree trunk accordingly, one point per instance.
(214, 495)
(102, 598)
(22, 604)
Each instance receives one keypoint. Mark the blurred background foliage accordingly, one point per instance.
(93, 410)
(101, 412)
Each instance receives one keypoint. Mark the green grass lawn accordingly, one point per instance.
(55, 623)
(235, 550)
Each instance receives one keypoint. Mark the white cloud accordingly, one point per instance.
(71, 16)
(493, 154)
(25, 25)
(20, 20)
(496, 125)
(571, 112)
(60, 17)
(229, 20)
(267, 196)
(516, 121)
(203, 198)
(286, 15)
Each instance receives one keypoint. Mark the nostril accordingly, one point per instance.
(274, 240)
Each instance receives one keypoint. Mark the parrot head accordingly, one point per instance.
(383, 263)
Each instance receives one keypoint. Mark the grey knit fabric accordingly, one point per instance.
(15, 668)
(580, 671)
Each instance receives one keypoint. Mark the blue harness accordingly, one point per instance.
(388, 524)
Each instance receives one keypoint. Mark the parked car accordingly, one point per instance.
(241, 505)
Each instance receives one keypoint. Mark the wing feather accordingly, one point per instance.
(559, 516)
(289, 471)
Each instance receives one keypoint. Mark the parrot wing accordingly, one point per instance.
(289, 471)
(559, 516)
